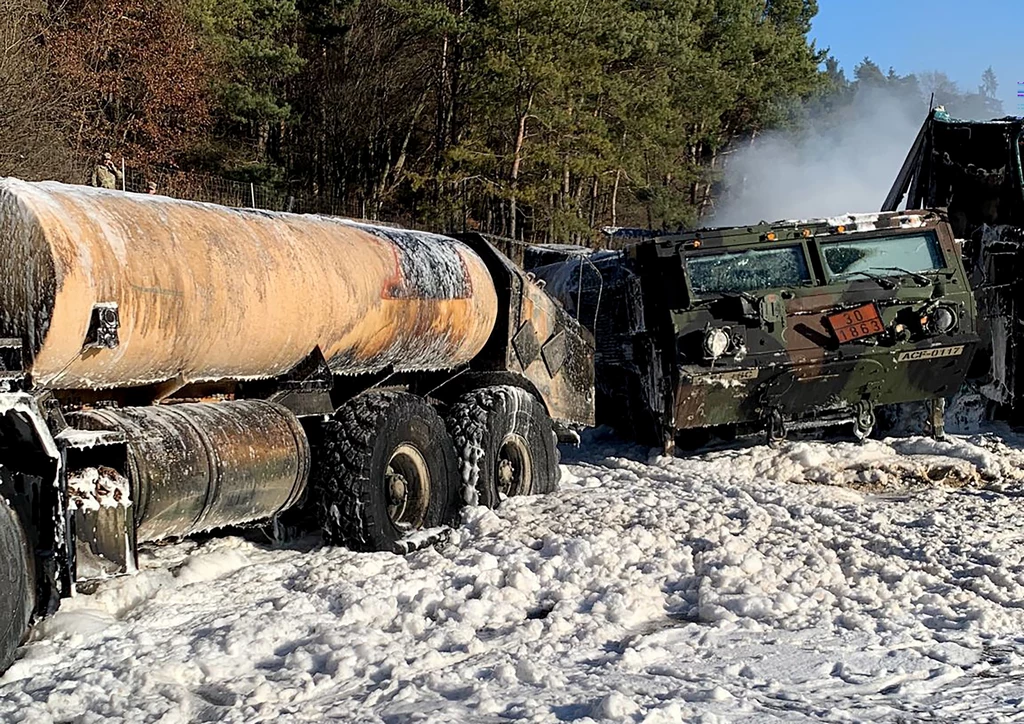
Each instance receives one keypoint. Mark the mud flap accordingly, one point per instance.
(100, 501)
(937, 418)
(775, 427)
(17, 584)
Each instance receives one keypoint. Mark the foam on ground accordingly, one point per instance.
(814, 581)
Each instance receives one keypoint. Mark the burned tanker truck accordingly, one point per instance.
(170, 367)
(774, 327)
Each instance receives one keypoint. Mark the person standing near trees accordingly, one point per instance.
(106, 175)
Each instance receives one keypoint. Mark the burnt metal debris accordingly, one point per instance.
(773, 327)
(973, 169)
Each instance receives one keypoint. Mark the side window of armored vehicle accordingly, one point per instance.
(747, 271)
(853, 257)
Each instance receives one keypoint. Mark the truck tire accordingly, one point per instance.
(505, 443)
(17, 584)
(385, 468)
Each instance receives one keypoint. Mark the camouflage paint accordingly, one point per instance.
(784, 360)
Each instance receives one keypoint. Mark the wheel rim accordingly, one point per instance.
(407, 486)
(514, 466)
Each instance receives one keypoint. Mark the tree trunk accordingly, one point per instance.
(517, 160)
(262, 137)
(593, 203)
(615, 198)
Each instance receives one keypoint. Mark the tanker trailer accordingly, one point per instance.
(170, 367)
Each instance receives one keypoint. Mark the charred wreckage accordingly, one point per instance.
(973, 169)
(171, 367)
(810, 323)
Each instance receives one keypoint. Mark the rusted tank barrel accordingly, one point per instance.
(204, 293)
(194, 467)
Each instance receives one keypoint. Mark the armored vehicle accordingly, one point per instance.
(169, 367)
(774, 327)
(973, 168)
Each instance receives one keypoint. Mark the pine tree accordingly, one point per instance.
(252, 43)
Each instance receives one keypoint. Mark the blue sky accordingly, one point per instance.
(959, 37)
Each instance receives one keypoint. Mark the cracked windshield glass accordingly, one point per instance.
(748, 270)
(886, 256)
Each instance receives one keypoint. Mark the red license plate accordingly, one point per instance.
(856, 323)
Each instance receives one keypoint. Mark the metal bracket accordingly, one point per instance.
(772, 312)
(103, 326)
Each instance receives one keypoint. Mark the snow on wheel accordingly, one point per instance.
(17, 586)
(384, 469)
(506, 444)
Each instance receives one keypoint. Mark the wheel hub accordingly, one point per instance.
(515, 467)
(506, 473)
(397, 494)
(407, 487)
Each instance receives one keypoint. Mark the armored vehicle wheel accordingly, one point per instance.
(17, 584)
(385, 467)
(505, 443)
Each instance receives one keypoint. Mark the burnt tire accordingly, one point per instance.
(505, 443)
(17, 584)
(374, 446)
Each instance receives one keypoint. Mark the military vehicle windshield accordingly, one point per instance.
(746, 271)
(887, 256)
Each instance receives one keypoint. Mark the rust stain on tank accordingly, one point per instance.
(205, 292)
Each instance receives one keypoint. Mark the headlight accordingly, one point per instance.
(716, 342)
(942, 320)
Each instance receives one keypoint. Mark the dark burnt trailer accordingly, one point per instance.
(973, 170)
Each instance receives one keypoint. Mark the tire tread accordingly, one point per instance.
(468, 421)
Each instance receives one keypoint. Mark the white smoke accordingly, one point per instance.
(842, 161)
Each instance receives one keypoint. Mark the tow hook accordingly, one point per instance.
(864, 420)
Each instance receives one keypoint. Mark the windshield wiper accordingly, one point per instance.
(881, 281)
(919, 278)
(704, 301)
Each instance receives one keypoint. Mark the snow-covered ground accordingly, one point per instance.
(876, 582)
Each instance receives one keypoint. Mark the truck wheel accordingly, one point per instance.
(384, 469)
(17, 585)
(505, 443)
